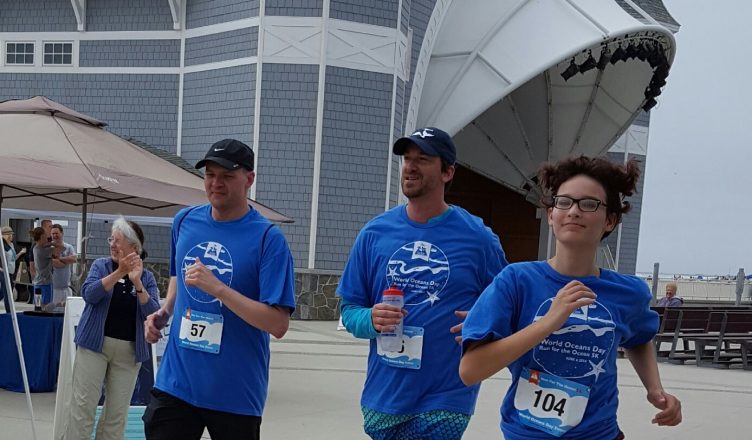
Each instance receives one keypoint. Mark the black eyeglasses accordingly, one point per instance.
(585, 205)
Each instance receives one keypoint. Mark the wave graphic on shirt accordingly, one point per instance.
(583, 328)
(216, 258)
(404, 270)
(581, 347)
(421, 270)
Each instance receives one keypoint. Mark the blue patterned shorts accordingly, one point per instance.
(431, 425)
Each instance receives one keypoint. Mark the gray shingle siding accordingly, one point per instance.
(405, 18)
(156, 240)
(224, 46)
(37, 16)
(643, 119)
(354, 154)
(207, 12)
(420, 14)
(294, 8)
(286, 148)
(376, 12)
(217, 104)
(140, 106)
(129, 53)
(127, 15)
(654, 8)
(630, 232)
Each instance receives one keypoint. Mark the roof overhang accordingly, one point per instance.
(491, 76)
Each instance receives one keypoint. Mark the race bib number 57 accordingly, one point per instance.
(550, 403)
(201, 331)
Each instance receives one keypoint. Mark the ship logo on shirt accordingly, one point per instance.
(581, 347)
(214, 256)
(421, 270)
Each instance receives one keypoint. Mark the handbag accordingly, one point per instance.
(22, 274)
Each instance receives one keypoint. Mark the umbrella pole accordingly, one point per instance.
(17, 333)
(84, 237)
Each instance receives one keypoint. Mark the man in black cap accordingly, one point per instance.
(441, 257)
(231, 285)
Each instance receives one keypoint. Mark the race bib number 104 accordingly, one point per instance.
(550, 403)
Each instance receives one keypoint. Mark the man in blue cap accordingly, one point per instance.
(442, 258)
(231, 286)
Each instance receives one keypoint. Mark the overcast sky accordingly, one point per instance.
(697, 205)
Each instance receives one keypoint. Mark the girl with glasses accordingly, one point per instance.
(557, 324)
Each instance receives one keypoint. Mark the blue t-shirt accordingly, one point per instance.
(583, 351)
(235, 379)
(441, 266)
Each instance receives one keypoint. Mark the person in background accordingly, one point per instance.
(557, 324)
(62, 266)
(10, 258)
(670, 300)
(119, 293)
(43, 252)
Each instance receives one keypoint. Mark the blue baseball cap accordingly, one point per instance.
(430, 140)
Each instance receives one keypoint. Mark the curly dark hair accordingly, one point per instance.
(618, 181)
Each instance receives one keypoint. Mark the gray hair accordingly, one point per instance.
(122, 226)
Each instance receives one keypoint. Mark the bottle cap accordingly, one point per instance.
(393, 290)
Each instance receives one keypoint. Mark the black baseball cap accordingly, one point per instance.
(430, 140)
(229, 154)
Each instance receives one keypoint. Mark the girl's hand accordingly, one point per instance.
(571, 297)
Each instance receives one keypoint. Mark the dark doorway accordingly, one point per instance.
(506, 212)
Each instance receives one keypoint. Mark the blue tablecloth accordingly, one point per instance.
(41, 337)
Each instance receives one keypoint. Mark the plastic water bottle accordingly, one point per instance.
(37, 299)
(392, 341)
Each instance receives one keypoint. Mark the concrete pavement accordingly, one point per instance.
(317, 374)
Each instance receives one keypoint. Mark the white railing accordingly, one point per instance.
(705, 290)
(604, 258)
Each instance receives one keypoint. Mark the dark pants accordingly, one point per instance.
(5, 297)
(169, 418)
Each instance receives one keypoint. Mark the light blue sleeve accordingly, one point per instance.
(357, 320)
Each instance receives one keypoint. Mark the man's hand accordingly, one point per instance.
(153, 325)
(199, 276)
(385, 318)
(462, 314)
(670, 406)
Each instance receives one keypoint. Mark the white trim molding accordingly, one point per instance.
(320, 95)
(421, 67)
(177, 7)
(79, 8)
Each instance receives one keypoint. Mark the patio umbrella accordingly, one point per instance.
(53, 158)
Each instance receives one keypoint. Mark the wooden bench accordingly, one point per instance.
(678, 323)
(745, 348)
(728, 345)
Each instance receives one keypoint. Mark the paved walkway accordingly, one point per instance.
(317, 374)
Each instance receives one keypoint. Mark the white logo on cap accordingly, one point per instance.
(423, 134)
(219, 149)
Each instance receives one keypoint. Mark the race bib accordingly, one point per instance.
(550, 403)
(201, 331)
(410, 354)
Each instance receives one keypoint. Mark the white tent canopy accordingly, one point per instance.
(491, 76)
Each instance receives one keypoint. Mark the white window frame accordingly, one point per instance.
(5, 53)
(44, 53)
